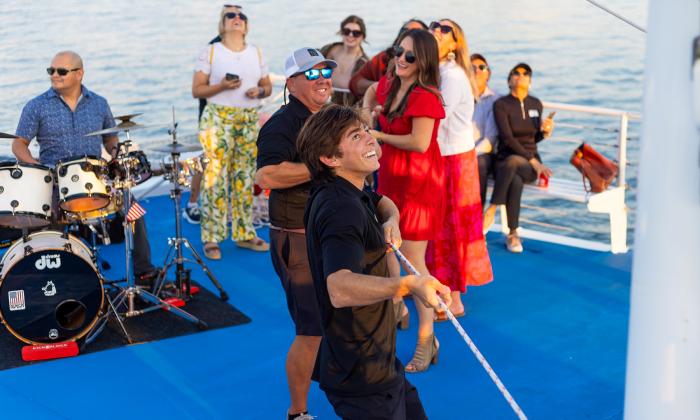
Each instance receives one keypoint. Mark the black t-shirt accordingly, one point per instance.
(277, 143)
(358, 350)
(518, 125)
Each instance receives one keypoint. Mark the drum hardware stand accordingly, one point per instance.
(174, 255)
(102, 322)
(128, 295)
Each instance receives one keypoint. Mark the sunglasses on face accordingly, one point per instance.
(313, 74)
(233, 15)
(354, 33)
(445, 29)
(481, 67)
(61, 71)
(397, 52)
(520, 73)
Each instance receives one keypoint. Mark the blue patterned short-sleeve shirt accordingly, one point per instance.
(60, 131)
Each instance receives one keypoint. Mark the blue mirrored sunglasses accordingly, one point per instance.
(313, 74)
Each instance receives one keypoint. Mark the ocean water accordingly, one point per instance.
(140, 56)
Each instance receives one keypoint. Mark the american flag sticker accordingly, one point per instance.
(135, 212)
(16, 300)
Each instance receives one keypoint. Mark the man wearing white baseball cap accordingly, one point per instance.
(280, 169)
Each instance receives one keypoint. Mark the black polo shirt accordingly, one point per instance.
(277, 143)
(358, 350)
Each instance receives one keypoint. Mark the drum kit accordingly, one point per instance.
(51, 286)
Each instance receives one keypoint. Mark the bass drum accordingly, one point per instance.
(50, 289)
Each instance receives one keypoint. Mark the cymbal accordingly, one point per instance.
(127, 117)
(177, 148)
(123, 126)
(7, 136)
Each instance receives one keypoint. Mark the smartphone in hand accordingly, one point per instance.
(230, 76)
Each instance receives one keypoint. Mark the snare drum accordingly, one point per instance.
(116, 203)
(50, 289)
(25, 194)
(81, 184)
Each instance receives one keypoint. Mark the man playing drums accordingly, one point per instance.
(59, 119)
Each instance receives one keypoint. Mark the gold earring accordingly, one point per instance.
(451, 56)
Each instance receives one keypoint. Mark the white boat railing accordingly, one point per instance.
(611, 202)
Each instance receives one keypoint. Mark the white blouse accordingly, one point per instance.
(216, 60)
(456, 131)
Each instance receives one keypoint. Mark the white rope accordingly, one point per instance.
(622, 18)
(514, 405)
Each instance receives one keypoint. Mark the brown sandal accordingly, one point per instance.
(255, 244)
(212, 251)
(426, 354)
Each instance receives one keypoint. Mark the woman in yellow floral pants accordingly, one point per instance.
(232, 76)
(228, 136)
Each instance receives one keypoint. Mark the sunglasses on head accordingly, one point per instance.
(445, 29)
(482, 67)
(313, 74)
(354, 33)
(233, 15)
(397, 52)
(60, 70)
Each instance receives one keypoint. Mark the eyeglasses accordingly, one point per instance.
(354, 33)
(523, 73)
(60, 70)
(481, 67)
(397, 52)
(313, 74)
(233, 15)
(445, 29)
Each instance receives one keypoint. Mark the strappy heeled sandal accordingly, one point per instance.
(401, 315)
(426, 354)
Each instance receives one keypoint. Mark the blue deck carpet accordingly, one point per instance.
(553, 325)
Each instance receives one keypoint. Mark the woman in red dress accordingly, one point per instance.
(411, 171)
(458, 256)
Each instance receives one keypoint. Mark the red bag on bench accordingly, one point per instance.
(599, 170)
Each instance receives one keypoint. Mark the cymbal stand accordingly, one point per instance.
(174, 255)
(127, 296)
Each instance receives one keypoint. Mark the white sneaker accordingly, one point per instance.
(192, 214)
(513, 243)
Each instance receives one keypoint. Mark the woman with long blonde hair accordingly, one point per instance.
(458, 255)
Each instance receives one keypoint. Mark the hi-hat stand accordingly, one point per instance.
(127, 296)
(174, 255)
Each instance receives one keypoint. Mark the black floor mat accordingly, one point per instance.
(151, 326)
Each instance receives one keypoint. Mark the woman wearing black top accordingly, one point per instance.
(520, 127)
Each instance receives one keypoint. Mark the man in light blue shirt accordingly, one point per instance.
(485, 130)
(59, 119)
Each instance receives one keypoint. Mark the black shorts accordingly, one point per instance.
(291, 262)
(399, 403)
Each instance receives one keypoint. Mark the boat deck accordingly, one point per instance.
(553, 325)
